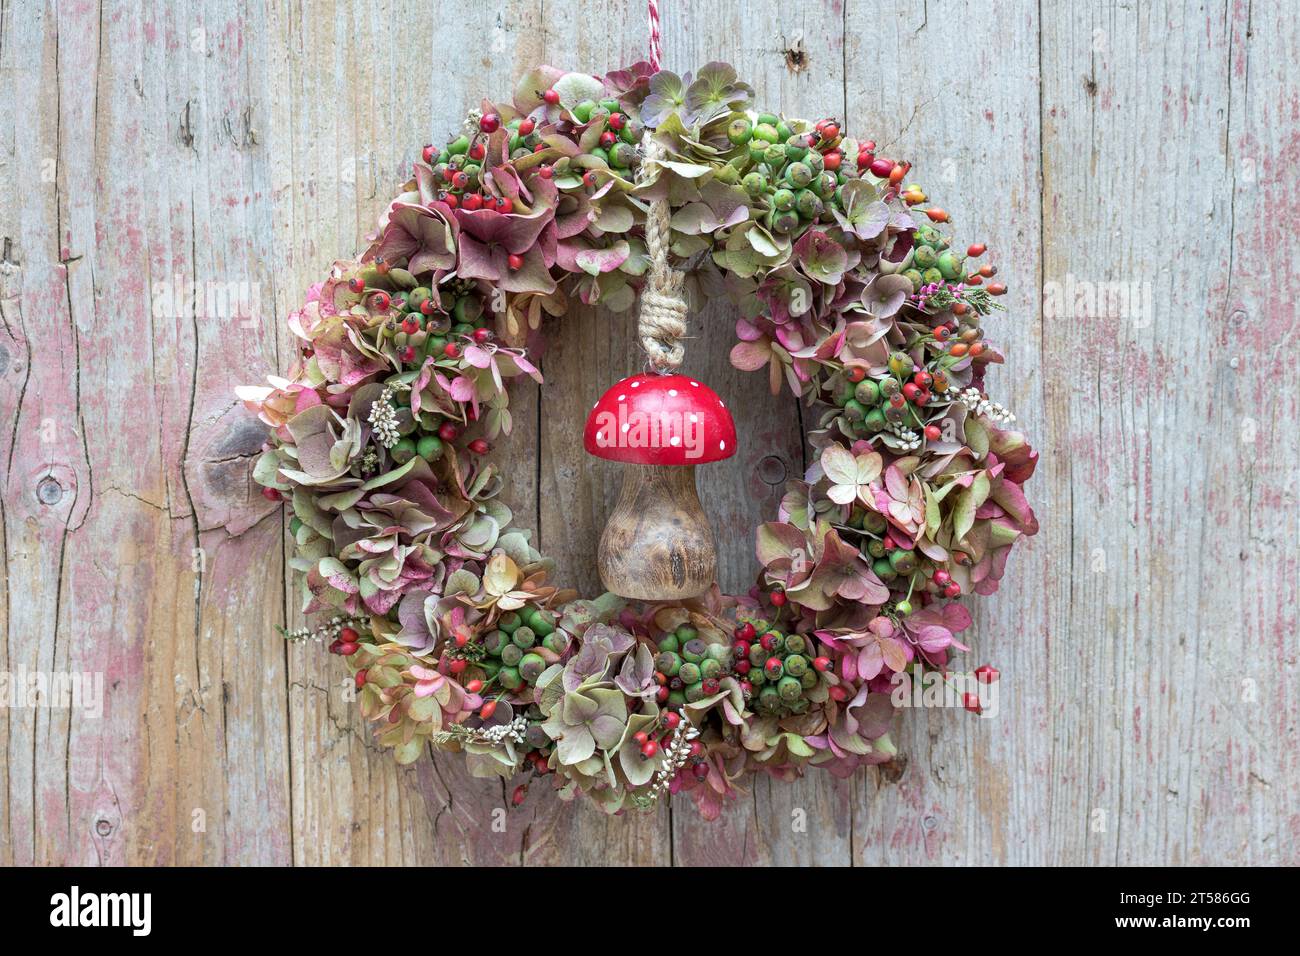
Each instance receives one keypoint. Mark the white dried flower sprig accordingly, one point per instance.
(383, 417)
(327, 631)
(979, 405)
(910, 439)
(676, 754)
(470, 126)
(494, 736)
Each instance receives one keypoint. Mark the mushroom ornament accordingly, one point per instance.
(658, 544)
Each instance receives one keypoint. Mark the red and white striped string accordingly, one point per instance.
(656, 51)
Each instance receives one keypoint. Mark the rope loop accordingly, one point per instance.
(662, 322)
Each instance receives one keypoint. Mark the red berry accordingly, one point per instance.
(833, 159)
(855, 373)
(976, 249)
(488, 709)
(952, 590)
(972, 703)
(489, 123)
(617, 120)
(408, 354)
(768, 642)
(479, 446)
(710, 686)
(830, 131)
(986, 674)
(448, 432)
(640, 736)
(429, 154)
(515, 261)
(932, 433)
(410, 326)
(356, 285)
(380, 301)
(517, 798)
(505, 204)
(997, 288)
(427, 307)
(451, 200)
(941, 577)
(649, 749)
(672, 720)
(472, 201)
(270, 494)
(910, 391)
(451, 350)
(822, 664)
(526, 126)
(773, 665)
(839, 693)
(661, 694)
(551, 96)
(348, 648)
(607, 139)
(348, 634)
(741, 648)
(881, 168)
(923, 378)
(941, 333)
(460, 179)
(360, 679)
(545, 172)
(482, 335)
(778, 598)
(701, 770)
(923, 396)
(741, 666)
(458, 665)
(746, 688)
(746, 631)
(589, 179)
(474, 686)
(477, 151)
(865, 159)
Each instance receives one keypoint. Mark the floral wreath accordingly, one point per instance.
(849, 293)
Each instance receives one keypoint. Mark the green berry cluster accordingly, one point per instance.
(932, 259)
(693, 667)
(509, 652)
(779, 670)
(616, 147)
(788, 170)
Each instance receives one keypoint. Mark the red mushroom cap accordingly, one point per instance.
(660, 420)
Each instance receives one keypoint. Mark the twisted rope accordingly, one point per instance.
(662, 321)
(655, 50)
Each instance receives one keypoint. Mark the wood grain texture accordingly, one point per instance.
(1131, 166)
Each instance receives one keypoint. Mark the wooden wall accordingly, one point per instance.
(1147, 636)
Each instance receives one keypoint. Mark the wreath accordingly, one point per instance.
(643, 184)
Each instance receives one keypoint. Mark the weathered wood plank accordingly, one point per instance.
(971, 132)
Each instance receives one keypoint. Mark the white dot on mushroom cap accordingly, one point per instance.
(622, 397)
(695, 384)
(675, 440)
(722, 403)
(694, 419)
(636, 384)
(722, 446)
(672, 392)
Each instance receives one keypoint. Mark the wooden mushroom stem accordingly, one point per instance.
(658, 544)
